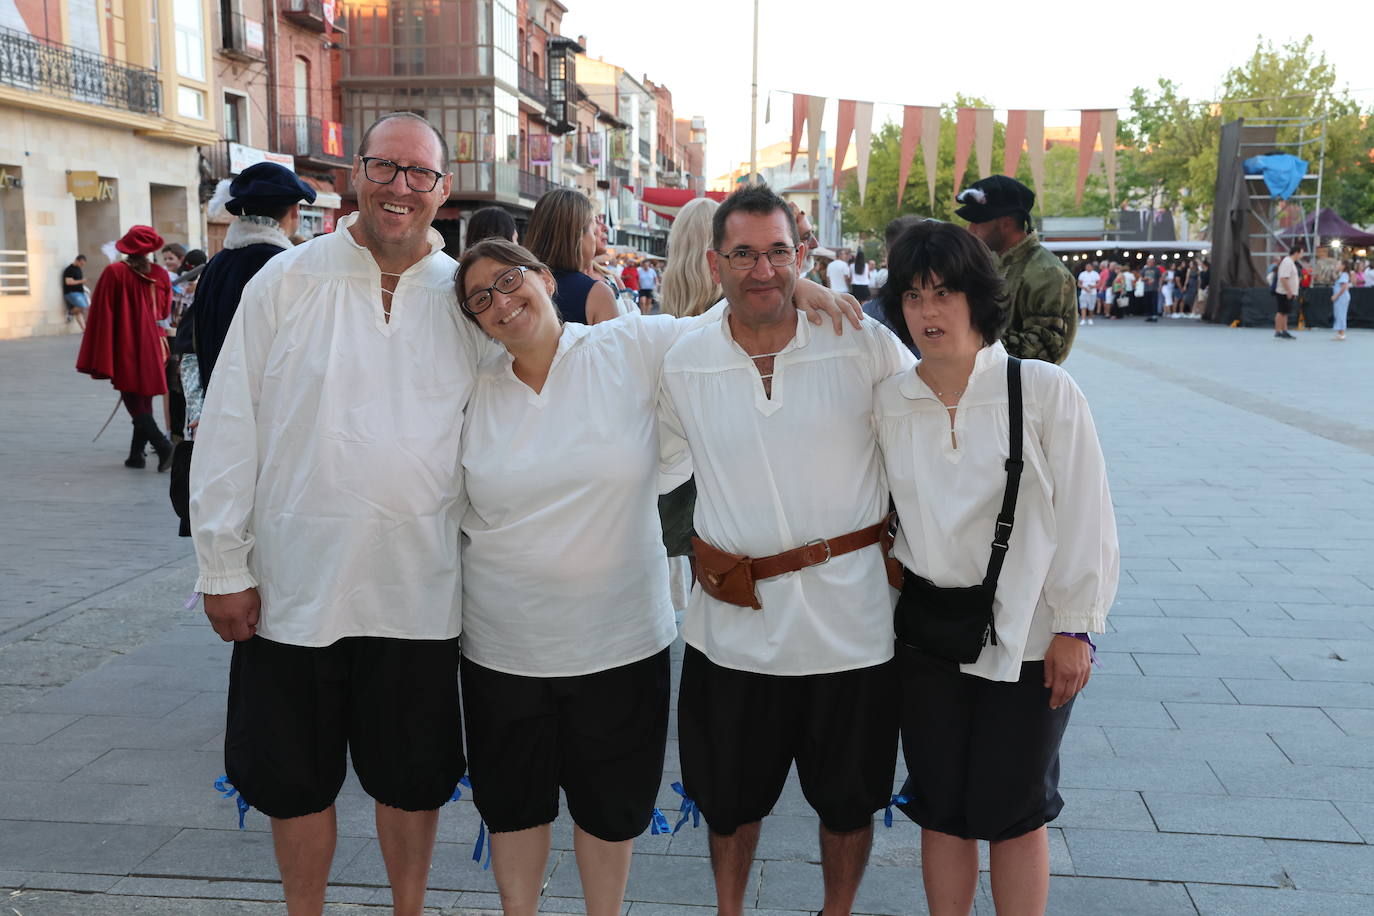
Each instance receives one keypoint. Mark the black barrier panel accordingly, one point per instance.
(1316, 307)
(1253, 307)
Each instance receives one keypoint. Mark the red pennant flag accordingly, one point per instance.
(964, 129)
(911, 136)
(1089, 122)
(1016, 136)
(799, 103)
(846, 128)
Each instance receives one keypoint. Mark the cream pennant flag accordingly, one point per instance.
(963, 144)
(1035, 151)
(1089, 123)
(930, 147)
(1015, 139)
(863, 137)
(768, 107)
(844, 130)
(911, 135)
(798, 122)
(815, 114)
(982, 140)
(1109, 117)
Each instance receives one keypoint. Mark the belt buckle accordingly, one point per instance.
(1002, 538)
(824, 541)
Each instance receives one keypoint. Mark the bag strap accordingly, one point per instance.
(1001, 538)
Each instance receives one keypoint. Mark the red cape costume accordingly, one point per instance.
(123, 342)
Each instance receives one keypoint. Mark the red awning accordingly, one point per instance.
(668, 201)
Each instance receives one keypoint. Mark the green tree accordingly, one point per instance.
(1177, 138)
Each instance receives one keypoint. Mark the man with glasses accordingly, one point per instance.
(325, 500)
(789, 638)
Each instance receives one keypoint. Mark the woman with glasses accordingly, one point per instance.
(566, 611)
(562, 233)
(982, 719)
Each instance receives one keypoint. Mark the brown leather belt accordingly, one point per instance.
(730, 577)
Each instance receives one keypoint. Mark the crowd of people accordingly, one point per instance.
(412, 472)
(1169, 289)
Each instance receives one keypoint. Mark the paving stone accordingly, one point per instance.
(49, 903)
(1327, 750)
(1216, 900)
(1251, 666)
(31, 727)
(1336, 611)
(1306, 629)
(1301, 693)
(100, 848)
(32, 763)
(1072, 896)
(1109, 685)
(1337, 783)
(1354, 722)
(233, 854)
(1285, 818)
(1107, 771)
(1269, 719)
(1310, 668)
(884, 890)
(451, 868)
(1090, 710)
(1173, 857)
(57, 881)
(109, 701)
(153, 767)
(190, 887)
(1145, 743)
(107, 732)
(1104, 809)
(1361, 817)
(1223, 626)
(1326, 866)
(1157, 641)
(1172, 607)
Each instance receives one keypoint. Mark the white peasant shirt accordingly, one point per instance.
(563, 559)
(326, 470)
(1061, 572)
(775, 473)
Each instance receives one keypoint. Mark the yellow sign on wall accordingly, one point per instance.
(84, 185)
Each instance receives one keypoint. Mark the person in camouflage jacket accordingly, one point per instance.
(1041, 301)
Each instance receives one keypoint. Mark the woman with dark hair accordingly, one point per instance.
(562, 233)
(566, 611)
(490, 223)
(992, 640)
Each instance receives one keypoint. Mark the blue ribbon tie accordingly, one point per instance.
(659, 825)
(688, 809)
(458, 789)
(226, 789)
(482, 841)
(896, 800)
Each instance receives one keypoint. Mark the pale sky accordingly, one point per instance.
(1054, 55)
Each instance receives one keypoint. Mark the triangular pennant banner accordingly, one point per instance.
(963, 145)
(1035, 150)
(768, 107)
(798, 122)
(815, 114)
(863, 138)
(930, 147)
(982, 140)
(1109, 151)
(844, 130)
(1089, 122)
(911, 135)
(1016, 138)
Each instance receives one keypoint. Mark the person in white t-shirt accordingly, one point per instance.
(1087, 293)
(981, 738)
(566, 610)
(837, 273)
(789, 634)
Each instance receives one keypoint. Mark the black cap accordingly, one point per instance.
(997, 195)
(267, 184)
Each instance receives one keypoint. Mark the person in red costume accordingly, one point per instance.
(123, 342)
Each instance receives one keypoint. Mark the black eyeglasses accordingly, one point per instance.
(478, 302)
(747, 259)
(383, 171)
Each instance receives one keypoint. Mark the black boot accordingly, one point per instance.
(157, 440)
(135, 459)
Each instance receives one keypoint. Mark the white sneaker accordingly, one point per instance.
(1081, 322)
(1090, 321)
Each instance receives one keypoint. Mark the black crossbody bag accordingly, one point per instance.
(956, 623)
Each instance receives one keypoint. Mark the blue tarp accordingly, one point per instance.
(1282, 172)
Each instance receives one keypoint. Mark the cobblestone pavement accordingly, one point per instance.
(1222, 762)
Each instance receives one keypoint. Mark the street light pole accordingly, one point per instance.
(754, 105)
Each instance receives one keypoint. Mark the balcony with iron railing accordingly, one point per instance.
(52, 69)
(534, 86)
(533, 186)
(305, 137)
(310, 13)
(644, 150)
(243, 38)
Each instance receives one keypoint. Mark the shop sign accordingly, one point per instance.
(84, 185)
(8, 181)
(252, 35)
(241, 157)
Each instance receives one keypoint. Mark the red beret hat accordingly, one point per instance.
(140, 240)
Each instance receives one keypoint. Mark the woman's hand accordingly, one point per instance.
(817, 302)
(1068, 663)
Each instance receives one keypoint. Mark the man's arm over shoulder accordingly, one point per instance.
(889, 356)
(224, 470)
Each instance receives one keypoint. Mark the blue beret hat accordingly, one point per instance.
(267, 184)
